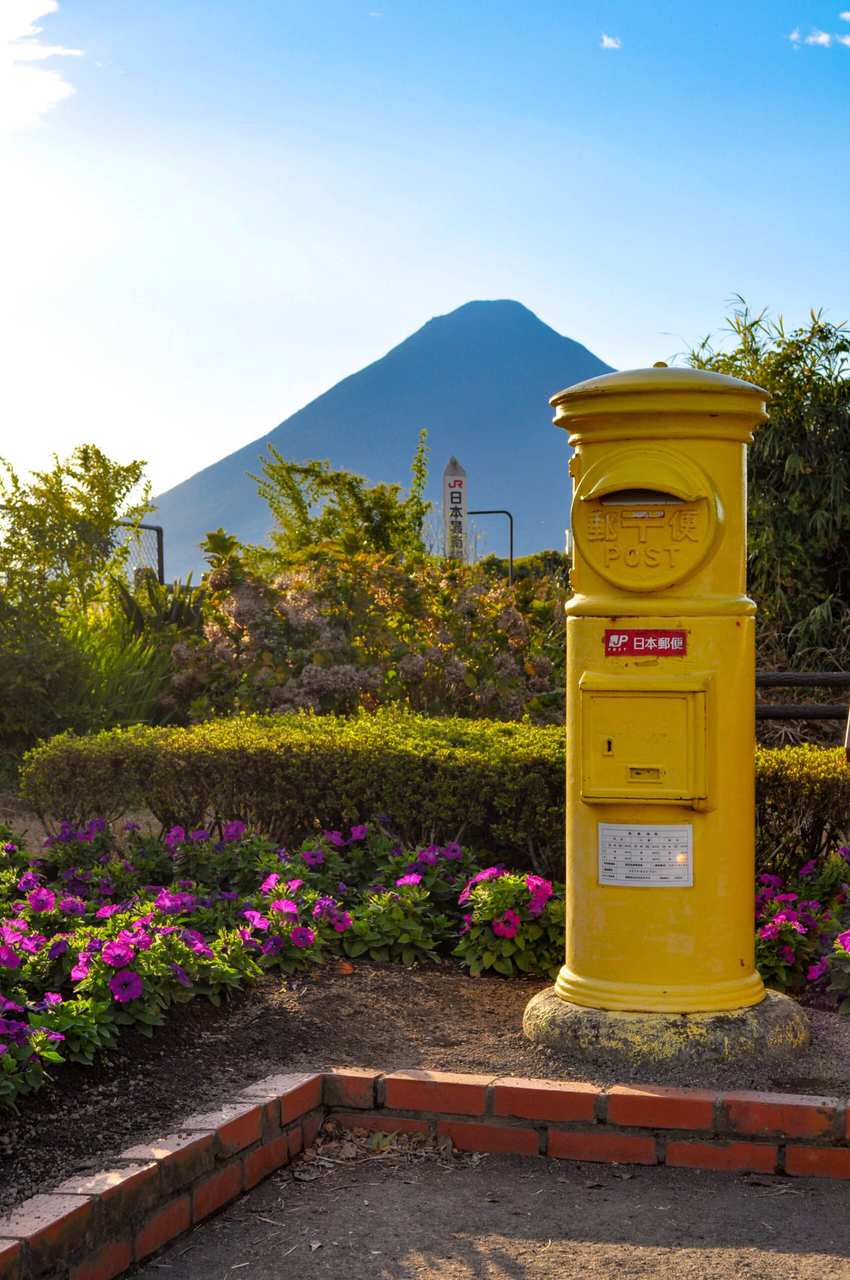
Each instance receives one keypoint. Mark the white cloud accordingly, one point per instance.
(610, 42)
(844, 40)
(27, 92)
(794, 37)
(845, 16)
(823, 38)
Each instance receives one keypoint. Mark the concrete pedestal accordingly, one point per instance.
(773, 1028)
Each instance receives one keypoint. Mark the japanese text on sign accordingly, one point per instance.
(629, 643)
(454, 510)
(654, 857)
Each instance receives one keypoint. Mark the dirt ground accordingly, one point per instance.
(438, 1217)
(381, 1016)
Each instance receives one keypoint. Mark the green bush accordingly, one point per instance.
(802, 805)
(497, 785)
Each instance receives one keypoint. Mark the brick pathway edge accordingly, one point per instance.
(96, 1226)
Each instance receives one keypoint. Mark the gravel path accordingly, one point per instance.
(380, 1016)
(517, 1218)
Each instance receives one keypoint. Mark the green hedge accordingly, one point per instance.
(497, 786)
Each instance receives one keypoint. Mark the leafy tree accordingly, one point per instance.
(317, 508)
(799, 481)
(58, 531)
(63, 663)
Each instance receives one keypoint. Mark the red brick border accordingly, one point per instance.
(94, 1227)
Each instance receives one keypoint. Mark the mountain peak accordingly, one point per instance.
(478, 378)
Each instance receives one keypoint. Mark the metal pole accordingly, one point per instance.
(500, 511)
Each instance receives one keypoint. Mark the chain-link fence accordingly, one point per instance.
(145, 550)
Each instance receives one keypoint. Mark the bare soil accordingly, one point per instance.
(424, 1214)
(382, 1016)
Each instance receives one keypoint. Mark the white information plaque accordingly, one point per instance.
(632, 853)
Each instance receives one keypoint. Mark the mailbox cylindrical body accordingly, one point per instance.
(660, 694)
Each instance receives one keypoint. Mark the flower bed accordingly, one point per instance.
(98, 932)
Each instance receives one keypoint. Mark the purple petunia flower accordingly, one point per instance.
(359, 832)
(125, 985)
(769, 931)
(10, 848)
(234, 830)
(301, 936)
(103, 913)
(199, 836)
(293, 886)
(117, 954)
(541, 892)
(269, 882)
(71, 906)
(81, 968)
(313, 857)
(42, 899)
(273, 945)
(29, 880)
(411, 878)
(131, 826)
(8, 958)
(175, 836)
(807, 868)
(180, 974)
(334, 838)
(817, 970)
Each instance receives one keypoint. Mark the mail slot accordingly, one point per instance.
(643, 741)
(660, 694)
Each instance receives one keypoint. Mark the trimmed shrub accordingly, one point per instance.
(496, 785)
(802, 805)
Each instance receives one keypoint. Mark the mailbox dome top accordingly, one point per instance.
(658, 379)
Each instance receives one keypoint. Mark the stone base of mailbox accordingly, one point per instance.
(773, 1028)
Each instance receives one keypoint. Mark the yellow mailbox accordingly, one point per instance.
(660, 694)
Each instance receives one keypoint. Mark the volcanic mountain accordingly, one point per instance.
(478, 379)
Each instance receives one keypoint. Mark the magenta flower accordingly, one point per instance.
(313, 857)
(177, 835)
(256, 919)
(334, 838)
(42, 899)
(808, 867)
(359, 832)
(843, 940)
(817, 970)
(301, 936)
(787, 954)
(199, 836)
(284, 905)
(33, 943)
(452, 851)
(52, 998)
(103, 913)
(773, 882)
(489, 873)
(506, 925)
(786, 897)
(117, 954)
(769, 931)
(13, 848)
(411, 878)
(293, 886)
(234, 830)
(269, 882)
(29, 880)
(541, 892)
(125, 985)
(71, 906)
(341, 921)
(8, 958)
(466, 926)
(427, 857)
(81, 968)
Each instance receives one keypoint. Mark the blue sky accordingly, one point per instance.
(215, 210)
